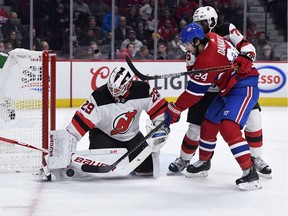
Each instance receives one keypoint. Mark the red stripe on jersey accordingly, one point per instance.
(157, 109)
(244, 104)
(78, 127)
(85, 120)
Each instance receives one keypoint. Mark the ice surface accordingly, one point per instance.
(217, 195)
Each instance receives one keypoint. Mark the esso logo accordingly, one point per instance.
(271, 79)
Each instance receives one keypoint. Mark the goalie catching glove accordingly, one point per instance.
(159, 138)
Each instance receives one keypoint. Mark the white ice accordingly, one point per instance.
(216, 195)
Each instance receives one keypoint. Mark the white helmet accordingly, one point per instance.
(119, 81)
(206, 13)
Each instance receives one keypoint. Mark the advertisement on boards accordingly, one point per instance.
(87, 76)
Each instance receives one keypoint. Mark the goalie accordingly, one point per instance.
(111, 115)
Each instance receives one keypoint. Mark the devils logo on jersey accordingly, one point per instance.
(123, 122)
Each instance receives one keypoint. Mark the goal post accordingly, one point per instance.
(27, 107)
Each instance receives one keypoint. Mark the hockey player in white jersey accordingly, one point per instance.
(111, 115)
(207, 18)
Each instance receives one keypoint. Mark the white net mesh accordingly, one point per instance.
(21, 110)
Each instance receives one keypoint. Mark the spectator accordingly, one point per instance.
(145, 11)
(132, 39)
(133, 17)
(13, 40)
(35, 41)
(143, 34)
(230, 10)
(122, 31)
(143, 53)
(253, 34)
(45, 45)
(8, 48)
(93, 51)
(58, 22)
(88, 37)
(131, 50)
(174, 47)
(166, 30)
(107, 20)
(167, 15)
(181, 26)
(123, 53)
(81, 11)
(261, 42)
(98, 9)
(268, 54)
(13, 24)
(43, 9)
(163, 53)
(186, 10)
(98, 32)
(3, 19)
(237, 19)
(2, 47)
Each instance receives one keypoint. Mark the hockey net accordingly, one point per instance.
(27, 107)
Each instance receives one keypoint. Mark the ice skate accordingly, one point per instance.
(42, 175)
(177, 166)
(262, 168)
(249, 180)
(198, 169)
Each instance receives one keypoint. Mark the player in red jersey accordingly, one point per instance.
(230, 109)
(207, 17)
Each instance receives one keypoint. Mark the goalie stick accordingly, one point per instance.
(178, 74)
(15, 142)
(108, 168)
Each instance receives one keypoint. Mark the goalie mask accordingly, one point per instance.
(189, 35)
(206, 14)
(119, 82)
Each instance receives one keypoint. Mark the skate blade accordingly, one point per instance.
(247, 186)
(201, 174)
(266, 176)
(170, 173)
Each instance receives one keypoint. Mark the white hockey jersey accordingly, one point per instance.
(119, 120)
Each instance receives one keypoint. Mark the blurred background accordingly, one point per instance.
(142, 29)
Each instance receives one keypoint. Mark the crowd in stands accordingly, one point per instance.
(134, 27)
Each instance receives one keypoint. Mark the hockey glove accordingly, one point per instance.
(159, 138)
(244, 62)
(172, 114)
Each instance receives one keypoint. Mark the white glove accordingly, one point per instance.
(159, 138)
(62, 145)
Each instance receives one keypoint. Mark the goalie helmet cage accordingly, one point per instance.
(27, 107)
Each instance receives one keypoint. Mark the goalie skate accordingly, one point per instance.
(262, 168)
(42, 174)
(198, 169)
(177, 166)
(249, 180)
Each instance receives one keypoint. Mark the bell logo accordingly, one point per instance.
(271, 79)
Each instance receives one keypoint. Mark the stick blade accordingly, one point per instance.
(96, 169)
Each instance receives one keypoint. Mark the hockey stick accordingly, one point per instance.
(108, 168)
(147, 77)
(15, 142)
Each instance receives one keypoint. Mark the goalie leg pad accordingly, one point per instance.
(62, 145)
